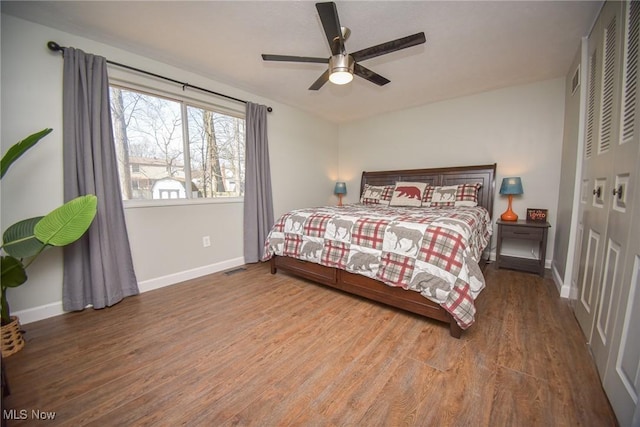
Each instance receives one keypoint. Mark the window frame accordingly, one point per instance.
(151, 87)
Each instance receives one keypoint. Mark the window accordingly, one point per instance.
(173, 149)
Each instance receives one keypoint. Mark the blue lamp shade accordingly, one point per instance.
(341, 188)
(512, 185)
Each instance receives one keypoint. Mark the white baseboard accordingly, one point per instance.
(55, 308)
(39, 313)
(564, 289)
(557, 279)
(172, 279)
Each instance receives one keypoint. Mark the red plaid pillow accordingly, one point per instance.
(426, 196)
(452, 195)
(376, 194)
(467, 194)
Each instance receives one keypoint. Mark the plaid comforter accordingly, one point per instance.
(433, 251)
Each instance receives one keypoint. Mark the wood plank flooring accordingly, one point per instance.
(253, 348)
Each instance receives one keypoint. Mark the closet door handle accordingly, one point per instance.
(618, 191)
(597, 192)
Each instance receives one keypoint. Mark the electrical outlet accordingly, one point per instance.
(206, 241)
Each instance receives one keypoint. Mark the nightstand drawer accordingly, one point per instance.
(520, 232)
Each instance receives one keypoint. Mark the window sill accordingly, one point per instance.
(136, 204)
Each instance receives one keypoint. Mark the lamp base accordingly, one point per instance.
(509, 214)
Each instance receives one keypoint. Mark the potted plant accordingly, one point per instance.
(25, 240)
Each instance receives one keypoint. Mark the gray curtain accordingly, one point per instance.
(258, 203)
(98, 269)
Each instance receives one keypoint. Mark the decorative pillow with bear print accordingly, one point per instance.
(408, 194)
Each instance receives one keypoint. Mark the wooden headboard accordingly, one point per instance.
(484, 174)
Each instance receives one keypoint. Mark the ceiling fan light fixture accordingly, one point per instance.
(341, 67)
(340, 77)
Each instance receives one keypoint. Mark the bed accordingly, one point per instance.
(334, 246)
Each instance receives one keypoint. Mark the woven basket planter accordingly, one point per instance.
(12, 341)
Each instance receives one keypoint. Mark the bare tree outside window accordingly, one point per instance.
(155, 161)
(122, 142)
(217, 147)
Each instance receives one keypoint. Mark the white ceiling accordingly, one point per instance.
(471, 46)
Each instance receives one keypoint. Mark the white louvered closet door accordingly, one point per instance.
(608, 304)
(616, 340)
(603, 108)
(614, 240)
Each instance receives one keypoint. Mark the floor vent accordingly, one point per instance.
(235, 270)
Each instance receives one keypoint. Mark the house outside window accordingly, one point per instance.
(171, 148)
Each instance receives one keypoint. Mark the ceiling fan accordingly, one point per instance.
(343, 65)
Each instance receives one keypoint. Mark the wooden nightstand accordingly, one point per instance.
(523, 230)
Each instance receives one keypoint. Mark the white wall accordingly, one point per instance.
(520, 128)
(166, 242)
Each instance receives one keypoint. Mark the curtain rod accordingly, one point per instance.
(57, 48)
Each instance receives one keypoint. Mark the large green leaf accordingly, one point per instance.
(67, 223)
(19, 148)
(13, 273)
(20, 240)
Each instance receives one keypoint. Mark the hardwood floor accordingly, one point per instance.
(251, 348)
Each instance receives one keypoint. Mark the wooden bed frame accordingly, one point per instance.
(375, 290)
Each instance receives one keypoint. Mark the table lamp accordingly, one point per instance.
(340, 189)
(510, 186)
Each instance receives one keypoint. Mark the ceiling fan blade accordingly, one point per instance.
(290, 58)
(388, 47)
(331, 24)
(320, 82)
(367, 74)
